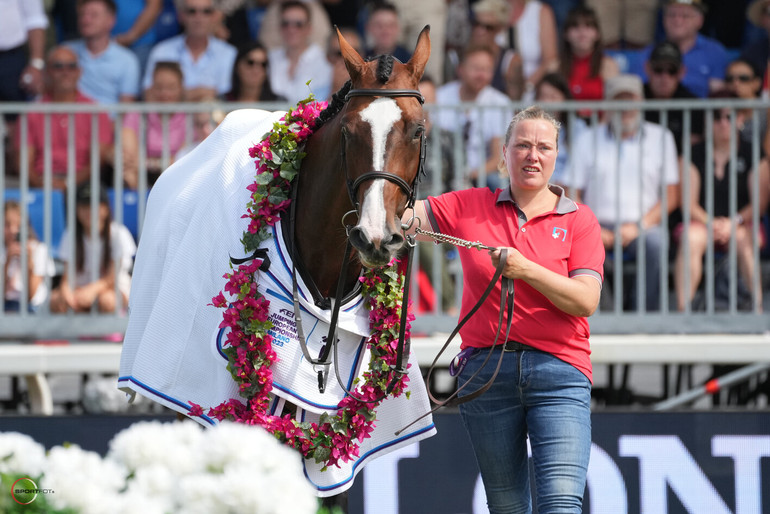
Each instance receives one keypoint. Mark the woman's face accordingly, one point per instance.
(741, 80)
(530, 154)
(83, 212)
(582, 37)
(167, 87)
(252, 67)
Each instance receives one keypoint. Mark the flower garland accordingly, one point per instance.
(249, 346)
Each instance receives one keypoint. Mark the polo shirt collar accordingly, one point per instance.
(564, 206)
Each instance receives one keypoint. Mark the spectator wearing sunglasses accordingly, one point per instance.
(298, 60)
(704, 58)
(250, 76)
(665, 72)
(724, 223)
(743, 81)
(60, 78)
(206, 62)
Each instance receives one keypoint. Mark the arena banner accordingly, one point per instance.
(713, 462)
(641, 462)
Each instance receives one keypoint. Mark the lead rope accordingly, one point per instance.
(506, 305)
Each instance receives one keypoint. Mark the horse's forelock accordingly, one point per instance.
(384, 68)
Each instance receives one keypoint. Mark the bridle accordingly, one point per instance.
(410, 190)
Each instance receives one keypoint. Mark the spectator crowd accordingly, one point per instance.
(486, 56)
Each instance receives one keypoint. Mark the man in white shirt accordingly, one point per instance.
(298, 60)
(22, 45)
(620, 170)
(483, 125)
(109, 72)
(206, 62)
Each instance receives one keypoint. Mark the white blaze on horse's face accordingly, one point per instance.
(381, 114)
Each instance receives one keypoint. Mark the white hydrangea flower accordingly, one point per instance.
(170, 445)
(82, 480)
(19, 453)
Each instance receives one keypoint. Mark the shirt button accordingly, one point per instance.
(524, 229)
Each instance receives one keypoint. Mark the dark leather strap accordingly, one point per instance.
(506, 305)
(386, 92)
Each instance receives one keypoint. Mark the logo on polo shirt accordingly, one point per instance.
(559, 232)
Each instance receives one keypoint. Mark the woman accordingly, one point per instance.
(742, 79)
(582, 59)
(250, 82)
(167, 87)
(113, 247)
(555, 258)
(39, 263)
(696, 237)
(551, 89)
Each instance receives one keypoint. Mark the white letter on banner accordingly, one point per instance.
(746, 451)
(381, 480)
(664, 460)
(605, 482)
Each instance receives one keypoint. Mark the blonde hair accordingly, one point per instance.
(534, 112)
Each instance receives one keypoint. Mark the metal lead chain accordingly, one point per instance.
(454, 240)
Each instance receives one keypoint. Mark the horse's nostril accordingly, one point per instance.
(395, 240)
(359, 239)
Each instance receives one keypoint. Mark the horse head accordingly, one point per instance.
(383, 138)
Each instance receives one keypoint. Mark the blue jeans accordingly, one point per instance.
(536, 395)
(653, 241)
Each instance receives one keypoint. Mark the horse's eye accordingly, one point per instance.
(419, 131)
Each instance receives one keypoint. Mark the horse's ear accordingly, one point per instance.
(416, 64)
(353, 61)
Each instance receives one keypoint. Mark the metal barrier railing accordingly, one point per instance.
(442, 271)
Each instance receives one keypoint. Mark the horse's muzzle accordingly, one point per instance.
(375, 252)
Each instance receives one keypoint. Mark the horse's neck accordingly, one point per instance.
(319, 236)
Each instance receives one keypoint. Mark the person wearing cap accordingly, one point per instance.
(619, 169)
(758, 52)
(704, 58)
(101, 265)
(664, 82)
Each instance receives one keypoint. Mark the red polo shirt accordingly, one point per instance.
(566, 240)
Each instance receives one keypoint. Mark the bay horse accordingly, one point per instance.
(378, 123)
(362, 163)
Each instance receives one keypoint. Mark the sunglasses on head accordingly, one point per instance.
(668, 70)
(63, 65)
(297, 24)
(738, 78)
(191, 11)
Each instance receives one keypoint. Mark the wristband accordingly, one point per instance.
(37, 63)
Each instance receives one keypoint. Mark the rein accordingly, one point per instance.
(410, 190)
(506, 305)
